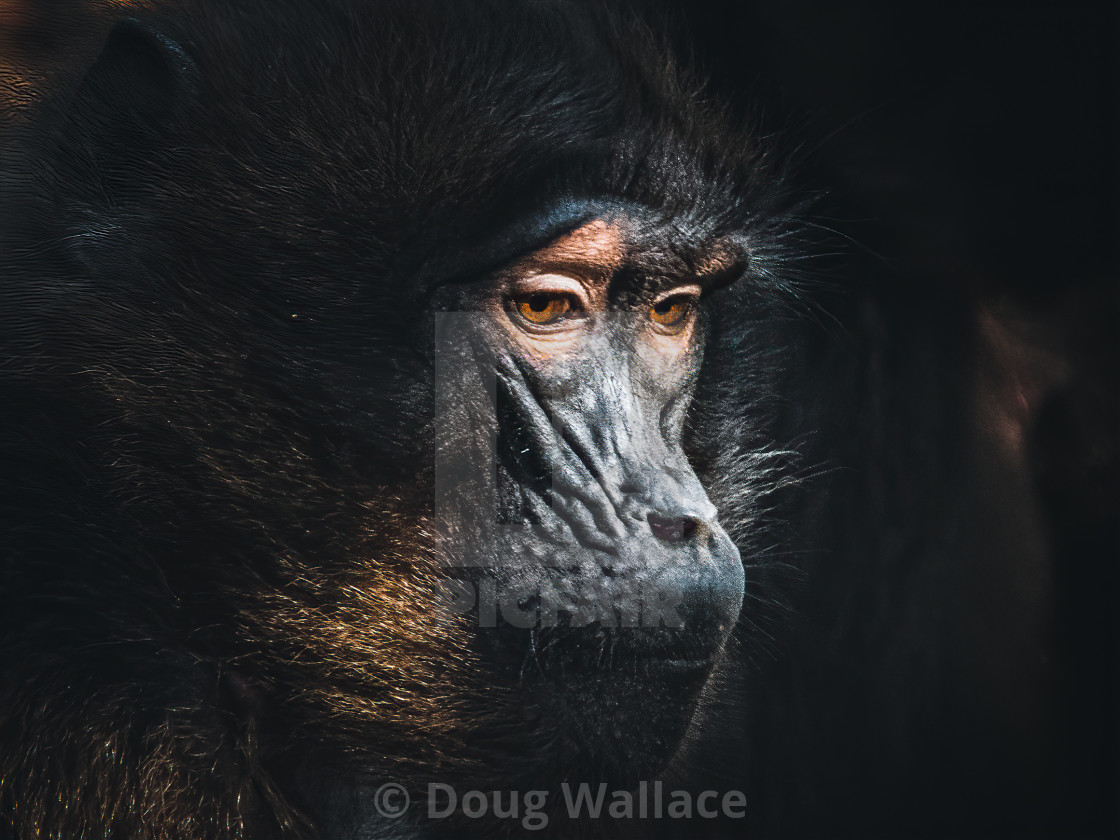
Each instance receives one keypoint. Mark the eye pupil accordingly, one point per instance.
(539, 303)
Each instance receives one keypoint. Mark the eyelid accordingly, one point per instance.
(552, 284)
(691, 291)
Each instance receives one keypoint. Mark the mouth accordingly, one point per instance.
(599, 705)
(619, 718)
(608, 654)
(602, 653)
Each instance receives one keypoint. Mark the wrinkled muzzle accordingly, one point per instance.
(573, 486)
(607, 474)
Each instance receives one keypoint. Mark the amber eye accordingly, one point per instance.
(672, 311)
(543, 308)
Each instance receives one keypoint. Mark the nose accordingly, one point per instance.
(703, 574)
(678, 546)
(672, 502)
(671, 529)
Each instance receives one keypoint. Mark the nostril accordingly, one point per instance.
(671, 529)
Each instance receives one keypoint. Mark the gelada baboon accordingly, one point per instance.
(276, 278)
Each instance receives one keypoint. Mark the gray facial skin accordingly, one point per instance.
(563, 389)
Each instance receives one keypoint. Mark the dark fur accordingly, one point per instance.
(217, 399)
